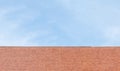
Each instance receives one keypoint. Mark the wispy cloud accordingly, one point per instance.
(12, 20)
(112, 35)
(60, 22)
(93, 20)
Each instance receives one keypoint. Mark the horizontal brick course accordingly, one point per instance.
(59, 59)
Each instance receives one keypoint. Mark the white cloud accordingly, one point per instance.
(103, 17)
(112, 35)
(10, 27)
(65, 4)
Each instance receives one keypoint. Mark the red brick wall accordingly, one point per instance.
(59, 59)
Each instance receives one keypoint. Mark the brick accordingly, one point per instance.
(59, 59)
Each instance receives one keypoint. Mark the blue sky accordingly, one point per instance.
(59, 22)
